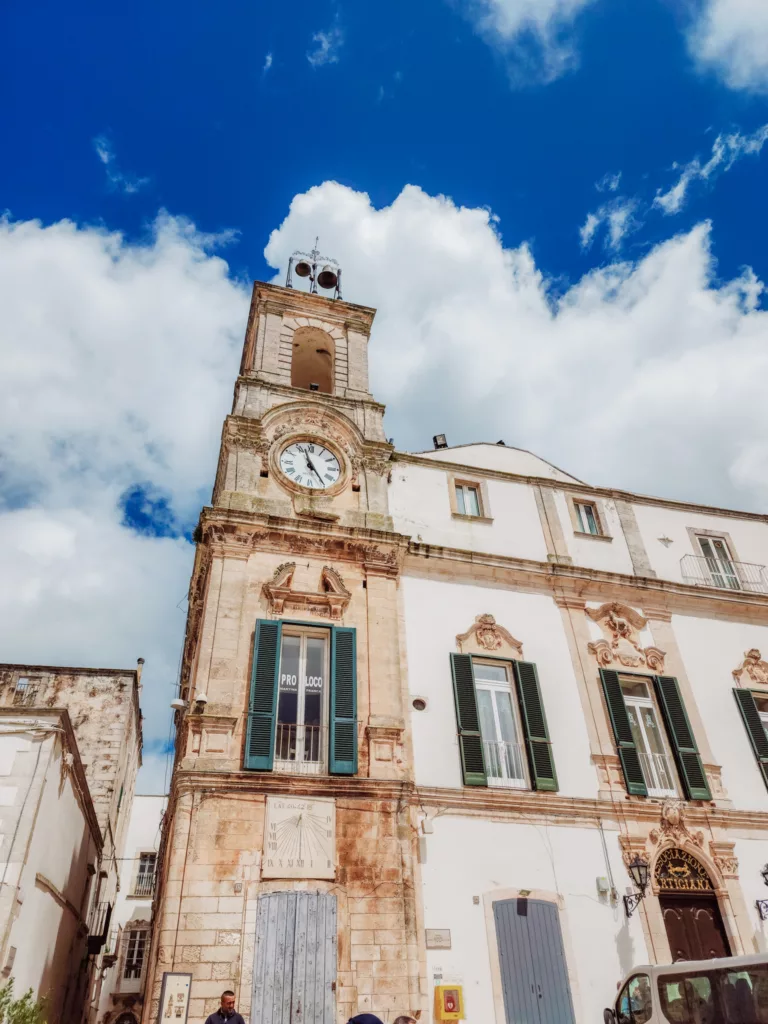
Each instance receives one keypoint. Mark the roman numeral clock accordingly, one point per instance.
(310, 464)
(300, 838)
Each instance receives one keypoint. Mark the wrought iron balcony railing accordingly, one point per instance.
(724, 574)
(505, 764)
(658, 774)
(301, 749)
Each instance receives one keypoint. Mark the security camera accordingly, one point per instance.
(201, 699)
(179, 704)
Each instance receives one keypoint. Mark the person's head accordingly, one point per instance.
(228, 1000)
(404, 1020)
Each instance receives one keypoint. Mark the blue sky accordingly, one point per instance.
(557, 206)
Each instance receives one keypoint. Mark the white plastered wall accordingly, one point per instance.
(420, 507)
(469, 857)
(436, 612)
(595, 552)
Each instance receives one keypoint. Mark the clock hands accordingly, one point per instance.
(311, 465)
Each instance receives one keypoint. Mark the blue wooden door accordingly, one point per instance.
(294, 976)
(534, 975)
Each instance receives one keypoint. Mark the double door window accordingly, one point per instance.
(648, 737)
(719, 563)
(499, 725)
(301, 736)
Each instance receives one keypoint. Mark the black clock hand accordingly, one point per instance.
(311, 465)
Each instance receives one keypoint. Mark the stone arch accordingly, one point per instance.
(313, 353)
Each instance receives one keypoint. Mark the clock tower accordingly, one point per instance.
(290, 841)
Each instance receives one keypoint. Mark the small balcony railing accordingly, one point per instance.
(144, 885)
(98, 929)
(658, 774)
(724, 575)
(505, 764)
(301, 749)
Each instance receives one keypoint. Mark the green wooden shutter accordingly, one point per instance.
(681, 736)
(343, 745)
(540, 760)
(625, 744)
(754, 726)
(262, 706)
(468, 721)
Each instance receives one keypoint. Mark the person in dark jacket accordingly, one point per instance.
(226, 1013)
(365, 1018)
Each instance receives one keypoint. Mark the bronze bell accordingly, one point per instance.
(327, 278)
(303, 269)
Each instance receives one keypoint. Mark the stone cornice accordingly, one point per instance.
(575, 487)
(579, 582)
(319, 399)
(281, 299)
(256, 783)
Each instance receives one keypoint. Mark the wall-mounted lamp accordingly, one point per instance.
(201, 699)
(762, 905)
(640, 874)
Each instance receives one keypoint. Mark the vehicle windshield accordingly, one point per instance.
(736, 995)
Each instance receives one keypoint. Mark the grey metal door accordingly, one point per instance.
(534, 975)
(294, 976)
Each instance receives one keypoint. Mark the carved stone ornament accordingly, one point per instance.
(724, 856)
(672, 827)
(331, 600)
(754, 667)
(485, 634)
(631, 847)
(620, 625)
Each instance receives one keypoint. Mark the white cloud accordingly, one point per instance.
(120, 182)
(726, 150)
(327, 47)
(609, 182)
(619, 218)
(118, 362)
(731, 37)
(267, 64)
(535, 35)
(656, 362)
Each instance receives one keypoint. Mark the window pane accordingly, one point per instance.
(706, 548)
(507, 721)
(473, 505)
(655, 741)
(485, 711)
(289, 663)
(634, 688)
(580, 517)
(460, 507)
(721, 550)
(589, 512)
(637, 732)
(493, 673)
(687, 1000)
(640, 999)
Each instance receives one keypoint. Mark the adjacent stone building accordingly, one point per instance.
(70, 747)
(436, 705)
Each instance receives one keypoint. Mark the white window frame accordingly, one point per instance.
(648, 703)
(297, 765)
(139, 874)
(463, 484)
(463, 500)
(722, 570)
(143, 936)
(505, 781)
(577, 503)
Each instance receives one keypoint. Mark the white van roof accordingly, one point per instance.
(689, 966)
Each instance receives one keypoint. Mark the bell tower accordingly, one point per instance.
(291, 796)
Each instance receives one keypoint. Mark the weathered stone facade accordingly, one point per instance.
(269, 549)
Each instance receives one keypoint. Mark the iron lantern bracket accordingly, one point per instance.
(631, 903)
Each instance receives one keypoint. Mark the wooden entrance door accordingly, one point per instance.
(294, 978)
(694, 927)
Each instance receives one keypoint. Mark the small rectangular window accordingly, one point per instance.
(467, 500)
(136, 941)
(587, 518)
(145, 876)
(25, 694)
(649, 739)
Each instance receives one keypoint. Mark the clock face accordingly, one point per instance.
(310, 464)
(299, 839)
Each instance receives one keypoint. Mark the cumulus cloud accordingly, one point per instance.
(118, 363)
(609, 182)
(327, 46)
(656, 361)
(731, 37)
(617, 216)
(128, 184)
(726, 150)
(535, 35)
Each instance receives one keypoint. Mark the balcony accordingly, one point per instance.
(505, 764)
(144, 885)
(98, 930)
(301, 749)
(720, 574)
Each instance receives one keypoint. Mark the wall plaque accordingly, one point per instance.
(438, 938)
(174, 998)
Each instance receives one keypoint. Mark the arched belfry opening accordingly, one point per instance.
(312, 360)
